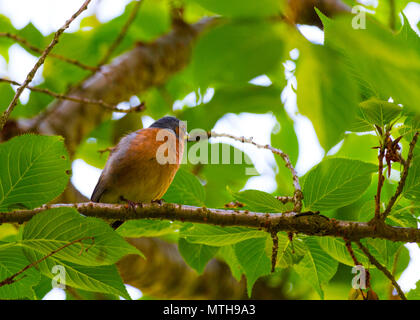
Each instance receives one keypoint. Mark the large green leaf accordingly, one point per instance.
(242, 8)
(227, 254)
(12, 260)
(253, 260)
(336, 182)
(412, 183)
(33, 171)
(359, 147)
(289, 252)
(233, 99)
(387, 64)
(326, 93)
(237, 52)
(105, 279)
(259, 201)
(53, 229)
(196, 255)
(336, 248)
(316, 267)
(222, 166)
(379, 112)
(145, 228)
(414, 294)
(185, 189)
(219, 236)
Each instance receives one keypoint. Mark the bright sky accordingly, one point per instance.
(49, 15)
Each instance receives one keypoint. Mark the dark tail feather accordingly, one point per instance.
(116, 224)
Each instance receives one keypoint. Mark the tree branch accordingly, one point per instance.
(12, 278)
(31, 47)
(122, 33)
(60, 96)
(306, 223)
(38, 64)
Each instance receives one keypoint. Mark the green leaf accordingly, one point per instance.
(33, 171)
(383, 250)
(253, 260)
(359, 147)
(219, 236)
(227, 254)
(379, 112)
(196, 255)
(284, 137)
(145, 228)
(336, 182)
(222, 166)
(242, 8)
(384, 63)
(233, 99)
(185, 189)
(401, 217)
(412, 183)
(289, 252)
(237, 52)
(12, 260)
(326, 93)
(336, 248)
(104, 279)
(316, 267)
(6, 95)
(259, 201)
(52, 229)
(414, 294)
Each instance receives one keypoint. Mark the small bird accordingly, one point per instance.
(143, 164)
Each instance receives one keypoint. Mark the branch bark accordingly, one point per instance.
(305, 223)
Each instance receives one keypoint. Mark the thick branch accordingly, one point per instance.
(306, 223)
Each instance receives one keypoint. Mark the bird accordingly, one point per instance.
(142, 166)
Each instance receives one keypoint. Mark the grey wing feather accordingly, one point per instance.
(99, 190)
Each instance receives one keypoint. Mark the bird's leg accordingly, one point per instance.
(132, 204)
(158, 201)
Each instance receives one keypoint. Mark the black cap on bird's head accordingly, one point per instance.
(170, 123)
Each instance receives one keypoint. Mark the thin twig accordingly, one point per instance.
(394, 269)
(122, 34)
(298, 195)
(60, 96)
(384, 270)
(285, 199)
(404, 175)
(357, 263)
(381, 179)
(12, 278)
(392, 14)
(38, 64)
(31, 47)
(275, 249)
